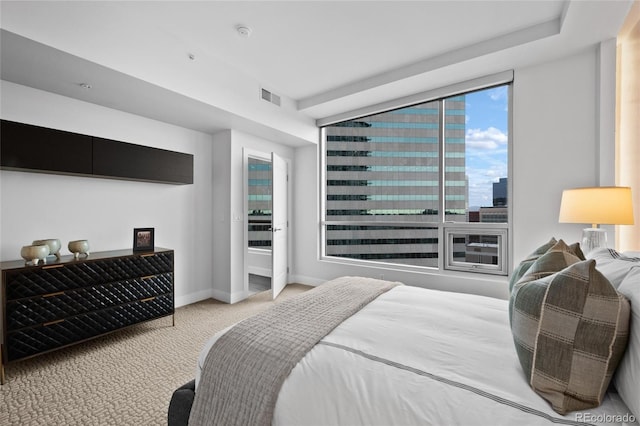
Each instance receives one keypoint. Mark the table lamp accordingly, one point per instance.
(605, 205)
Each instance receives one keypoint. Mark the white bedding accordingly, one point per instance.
(417, 357)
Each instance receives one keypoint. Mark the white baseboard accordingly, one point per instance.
(230, 298)
(193, 297)
(301, 279)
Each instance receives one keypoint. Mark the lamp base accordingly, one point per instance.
(593, 238)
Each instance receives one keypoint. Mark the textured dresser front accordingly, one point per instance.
(50, 306)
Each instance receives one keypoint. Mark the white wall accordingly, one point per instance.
(36, 206)
(555, 147)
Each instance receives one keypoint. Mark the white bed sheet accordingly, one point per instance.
(418, 357)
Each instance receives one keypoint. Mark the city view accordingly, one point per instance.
(383, 180)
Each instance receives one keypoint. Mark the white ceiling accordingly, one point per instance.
(322, 57)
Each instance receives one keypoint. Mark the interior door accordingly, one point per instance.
(279, 224)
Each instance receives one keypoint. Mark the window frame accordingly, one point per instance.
(500, 230)
(445, 228)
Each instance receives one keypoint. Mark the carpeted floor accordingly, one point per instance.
(125, 378)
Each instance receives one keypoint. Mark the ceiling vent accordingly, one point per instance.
(270, 97)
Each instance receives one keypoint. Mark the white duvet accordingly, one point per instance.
(421, 357)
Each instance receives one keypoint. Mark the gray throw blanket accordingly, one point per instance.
(244, 370)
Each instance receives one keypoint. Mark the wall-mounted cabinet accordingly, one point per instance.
(23, 146)
(31, 148)
(142, 162)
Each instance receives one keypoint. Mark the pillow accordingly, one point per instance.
(612, 264)
(570, 330)
(555, 259)
(627, 378)
(575, 249)
(522, 268)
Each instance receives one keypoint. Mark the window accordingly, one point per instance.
(479, 250)
(424, 185)
(259, 203)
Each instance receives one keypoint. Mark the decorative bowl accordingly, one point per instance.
(35, 253)
(54, 246)
(79, 247)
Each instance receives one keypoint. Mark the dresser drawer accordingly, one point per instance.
(42, 338)
(40, 281)
(35, 310)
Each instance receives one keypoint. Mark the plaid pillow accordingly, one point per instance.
(524, 266)
(558, 257)
(570, 331)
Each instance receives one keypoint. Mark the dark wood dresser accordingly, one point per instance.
(67, 301)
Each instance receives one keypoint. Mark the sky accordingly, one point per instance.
(486, 142)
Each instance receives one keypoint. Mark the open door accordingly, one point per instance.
(279, 225)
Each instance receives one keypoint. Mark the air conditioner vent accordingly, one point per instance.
(270, 97)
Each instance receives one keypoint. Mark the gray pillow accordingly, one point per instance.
(613, 265)
(570, 331)
(524, 266)
(558, 257)
(627, 378)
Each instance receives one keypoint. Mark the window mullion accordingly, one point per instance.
(441, 165)
(441, 184)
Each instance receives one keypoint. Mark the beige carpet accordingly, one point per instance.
(125, 378)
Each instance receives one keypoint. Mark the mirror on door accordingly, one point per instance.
(259, 175)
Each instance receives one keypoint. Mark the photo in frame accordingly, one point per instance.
(143, 239)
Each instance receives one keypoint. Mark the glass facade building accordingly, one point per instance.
(383, 182)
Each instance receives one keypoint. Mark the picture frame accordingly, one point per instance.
(143, 239)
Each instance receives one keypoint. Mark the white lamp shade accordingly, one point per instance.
(606, 205)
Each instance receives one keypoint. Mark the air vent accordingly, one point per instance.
(270, 97)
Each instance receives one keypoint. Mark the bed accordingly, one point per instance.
(413, 356)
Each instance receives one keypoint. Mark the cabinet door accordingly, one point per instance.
(130, 161)
(35, 148)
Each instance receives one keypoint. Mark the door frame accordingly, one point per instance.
(265, 156)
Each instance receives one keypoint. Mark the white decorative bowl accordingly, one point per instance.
(79, 247)
(35, 253)
(54, 246)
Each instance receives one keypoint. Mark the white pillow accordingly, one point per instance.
(627, 378)
(613, 265)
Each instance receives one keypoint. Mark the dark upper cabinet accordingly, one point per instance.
(23, 146)
(38, 149)
(137, 162)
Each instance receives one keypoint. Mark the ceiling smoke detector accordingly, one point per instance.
(243, 30)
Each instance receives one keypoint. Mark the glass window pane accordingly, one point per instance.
(384, 167)
(392, 244)
(476, 147)
(259, 183)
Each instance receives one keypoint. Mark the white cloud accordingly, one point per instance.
(486, 162)
(490, 138)
(499, 93)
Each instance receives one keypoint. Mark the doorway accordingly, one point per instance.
(266, 230)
